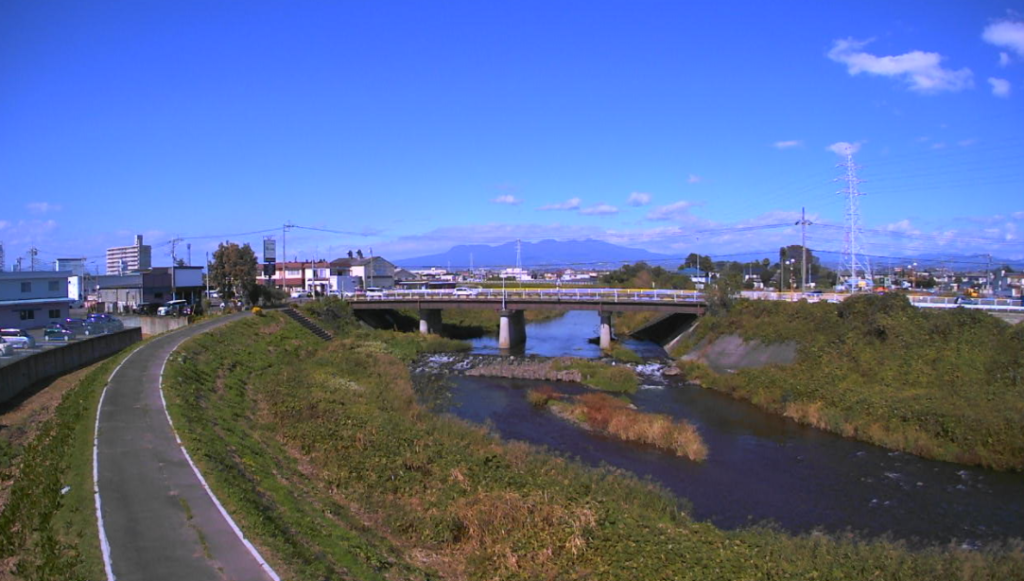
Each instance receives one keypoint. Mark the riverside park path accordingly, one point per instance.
(155, 512)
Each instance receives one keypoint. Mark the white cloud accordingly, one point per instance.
(507, 199)
(570, 204)
(639, 199)
(844, 148)
(1004, 59)
(939, 145)
(4, 224)
(903, 227)
(599, 210)
(967, 142)
(920, 70)
(1000, 87)
(1007, 34)
(674, 211)
(694, 179)
(42, 207)
(787, 144)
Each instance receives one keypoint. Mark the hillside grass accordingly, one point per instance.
(943, 384)
(326, 459)
(48, 525)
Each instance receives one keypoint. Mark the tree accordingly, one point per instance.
(701, 262)
(233, 271)
(724, 293)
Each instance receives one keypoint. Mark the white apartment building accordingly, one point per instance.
(134, 258)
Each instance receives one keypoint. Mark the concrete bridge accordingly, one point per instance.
(511, 304)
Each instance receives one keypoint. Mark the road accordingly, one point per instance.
(160, 521)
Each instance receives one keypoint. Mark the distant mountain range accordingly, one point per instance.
(605, 255)
(574, 253)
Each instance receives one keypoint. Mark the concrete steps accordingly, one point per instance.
(310, 325)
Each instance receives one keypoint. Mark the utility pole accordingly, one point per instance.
(803, 246)
(207, 275)
(174, 263)
(32, 252)
(189, 245)
(284, 248)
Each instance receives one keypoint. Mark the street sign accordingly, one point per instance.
(269, 250)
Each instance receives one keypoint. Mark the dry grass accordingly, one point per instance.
(618, 418)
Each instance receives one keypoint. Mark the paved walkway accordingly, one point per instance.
(159, 519)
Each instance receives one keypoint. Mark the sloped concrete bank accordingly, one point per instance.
(731, 352)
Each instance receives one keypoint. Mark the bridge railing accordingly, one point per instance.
(554, 295)
(658, 296)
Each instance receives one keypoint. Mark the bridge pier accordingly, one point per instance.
(511, 329)
(606, 330)
(430, 321)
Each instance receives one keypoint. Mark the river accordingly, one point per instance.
(760, 467)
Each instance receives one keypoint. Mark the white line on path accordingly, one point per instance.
(252, 550)
(104, 543)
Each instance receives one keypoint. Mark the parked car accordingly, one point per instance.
(103, 323)
(465, 291)
(374, 293)
(173, 308)
(146, 308)
(300, 294)
(6, 349)
(58, 332)
(18, 338)
(82, 326)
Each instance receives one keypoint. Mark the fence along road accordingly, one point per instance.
(156, 513)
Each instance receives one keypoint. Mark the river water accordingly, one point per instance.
(760, 467)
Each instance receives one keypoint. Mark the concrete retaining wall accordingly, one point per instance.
(154, 325)
(730, 352)
(53, 362)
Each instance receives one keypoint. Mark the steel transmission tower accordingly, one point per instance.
(852, 264)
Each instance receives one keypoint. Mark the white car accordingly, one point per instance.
(300, 294)
(18, 338)
(465, 291)
(6, 349)
(374, 293)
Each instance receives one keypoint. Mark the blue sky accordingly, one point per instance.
(413, 126)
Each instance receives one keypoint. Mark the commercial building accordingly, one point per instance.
(29, 300)
(125, 259)
(156, 286)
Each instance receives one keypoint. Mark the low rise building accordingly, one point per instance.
(29, 300)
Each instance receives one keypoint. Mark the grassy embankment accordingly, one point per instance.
(616, 417)
(324, 456)
(48, 522)
(944, 384)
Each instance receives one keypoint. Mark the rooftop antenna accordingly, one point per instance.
(851, 243)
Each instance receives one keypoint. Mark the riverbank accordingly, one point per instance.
(325, 458)
(47, 516)
(942, 384)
